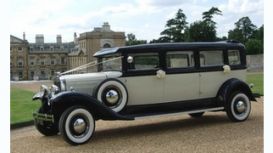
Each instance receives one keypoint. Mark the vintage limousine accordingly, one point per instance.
(147, 80)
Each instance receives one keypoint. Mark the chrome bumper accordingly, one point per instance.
(39, 117)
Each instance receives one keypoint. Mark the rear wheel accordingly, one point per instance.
(238, 107)
(197, 115)
(77, 125)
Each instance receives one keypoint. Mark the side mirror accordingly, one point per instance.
(130, 59)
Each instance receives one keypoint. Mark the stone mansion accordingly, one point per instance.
(41, 60)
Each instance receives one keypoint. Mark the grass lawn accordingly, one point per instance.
(21, 105)
(257, 79)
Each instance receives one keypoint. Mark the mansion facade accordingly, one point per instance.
(41, 61)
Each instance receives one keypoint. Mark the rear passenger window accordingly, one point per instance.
(144, 61)
(180, 59)
(211, 58)
(234, 57)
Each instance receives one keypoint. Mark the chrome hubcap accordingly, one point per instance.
(112, 96)
(79, 125)
(240, 106)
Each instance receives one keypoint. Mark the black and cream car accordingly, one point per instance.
(147, 80)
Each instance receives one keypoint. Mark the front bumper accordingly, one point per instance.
(40, 117)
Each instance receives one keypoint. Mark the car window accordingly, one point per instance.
(211, 58)
(180, 59)
(110, 63)
(144, 61)
(234, 57)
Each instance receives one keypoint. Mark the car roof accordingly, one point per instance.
(169, 47)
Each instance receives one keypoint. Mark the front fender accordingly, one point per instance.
(231, 86)
(64, 100)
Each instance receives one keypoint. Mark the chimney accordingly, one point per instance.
(24, 36)
(39, 39)
(59, 39)
(75, 38)
(106, 27)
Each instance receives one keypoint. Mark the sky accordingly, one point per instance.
(144, 18)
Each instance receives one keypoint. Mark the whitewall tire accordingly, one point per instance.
(77, 125)
(113, 94)
(238, 107)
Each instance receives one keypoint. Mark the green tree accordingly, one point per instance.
(204, 30)
(254, 46)
(175, 28)
(161, 40)
(208, 15)
(236, 34)
(131, 40)
(244, 29)
(259, 34)
(201, 31)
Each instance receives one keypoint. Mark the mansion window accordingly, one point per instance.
(20, 64)
(20, 74)
(20, 49)
(106, 45)
(63, 60)
(52, 62)
(42, 74)
(32, 74)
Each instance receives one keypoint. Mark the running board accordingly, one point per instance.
(178, 113)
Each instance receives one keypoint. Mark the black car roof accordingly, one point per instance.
(170, 47)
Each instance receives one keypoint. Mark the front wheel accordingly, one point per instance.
(77, 125)
(238, 107)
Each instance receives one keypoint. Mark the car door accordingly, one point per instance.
(211, 72)
(142, 83)
(181, 82)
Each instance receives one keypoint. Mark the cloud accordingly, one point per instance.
(146, 19)
(162, 3)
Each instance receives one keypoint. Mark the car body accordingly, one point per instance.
(147, 80)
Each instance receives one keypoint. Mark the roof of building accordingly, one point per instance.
(169, 46)
(52, 47)
(76, 53)
(16, 40)
(103, 32)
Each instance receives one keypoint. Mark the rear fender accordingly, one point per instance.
(231, 86)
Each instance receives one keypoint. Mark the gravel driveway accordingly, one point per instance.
(210, 134)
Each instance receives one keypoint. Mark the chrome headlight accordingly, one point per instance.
(42, 93)
(44, 90)
(54, 89)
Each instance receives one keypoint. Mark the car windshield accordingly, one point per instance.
(106, 63)
(110, 63)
